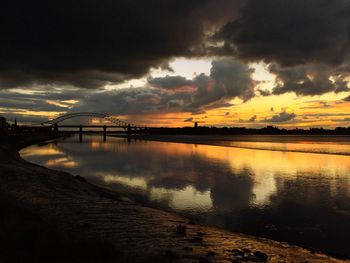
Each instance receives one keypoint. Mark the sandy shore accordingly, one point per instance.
(84, 212)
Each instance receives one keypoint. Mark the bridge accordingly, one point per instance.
(116, 123)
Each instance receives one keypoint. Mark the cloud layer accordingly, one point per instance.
(281, 117)
(309, 80)
(228, 79)
(290, 32)
(54, 48)
(90, 43)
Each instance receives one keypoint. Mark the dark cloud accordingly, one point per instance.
(170, 82)
(250, 120)
(90, 43)
(301, 38)
(189, 120)
(341, 120)
(58, 101)
(308, 80)
(347, 98)
(317, 105)
(29, 78)
(36, 107)
(228, 79)
(290, 32)
(253, 118)
(31, 105)
(281, 117)
(233, 78)
(53, 94)
(127, 101)
(264, 93)
(326, 114)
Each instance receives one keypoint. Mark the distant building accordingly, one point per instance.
(196, 124)
(3, 124)
(14, 126)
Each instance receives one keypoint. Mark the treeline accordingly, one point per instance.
(269, 130)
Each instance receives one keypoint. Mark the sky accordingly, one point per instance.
(171, 63)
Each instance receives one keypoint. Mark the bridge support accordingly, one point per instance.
(129, 129)
(104, 133)
(80, 133)
(55, 128)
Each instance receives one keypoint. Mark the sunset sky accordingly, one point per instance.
(175, 62)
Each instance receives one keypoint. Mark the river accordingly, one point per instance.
(296, 191)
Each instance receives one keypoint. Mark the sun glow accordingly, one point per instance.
(309, 111)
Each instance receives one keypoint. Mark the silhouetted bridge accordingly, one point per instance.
(117, 123)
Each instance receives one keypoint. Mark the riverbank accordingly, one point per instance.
(91, 222)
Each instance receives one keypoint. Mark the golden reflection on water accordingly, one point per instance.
(263, 167)
(56, 157)
(185, 199)
(266, 166)
(245, 190)
(63, 162)
(138, 183)
(115, 146)
(48, 149)
(277, 161)
(301, 146)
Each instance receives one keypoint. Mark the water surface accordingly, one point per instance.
(287, 192)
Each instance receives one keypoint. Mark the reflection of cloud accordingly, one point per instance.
(226, 186)
(40, 151)
(185, 199)
(323, 204)
(49, 155)
(232, 191)
(178, 171)
(263, 188)
(132, 182)
(64, 162)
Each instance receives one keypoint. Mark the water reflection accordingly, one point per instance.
(303, 198)
(301, 146)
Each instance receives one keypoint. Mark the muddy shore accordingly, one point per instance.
(69, 220)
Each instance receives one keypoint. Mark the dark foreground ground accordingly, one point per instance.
(52, 216)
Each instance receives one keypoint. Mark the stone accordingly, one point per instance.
(181, 230)
(80, 178)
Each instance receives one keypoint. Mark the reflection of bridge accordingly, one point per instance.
(117, 123)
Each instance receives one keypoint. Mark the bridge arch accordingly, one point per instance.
(108, 117)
